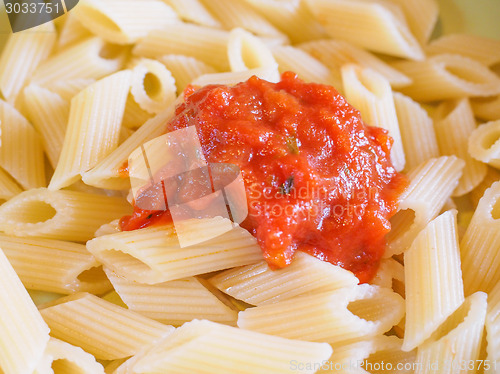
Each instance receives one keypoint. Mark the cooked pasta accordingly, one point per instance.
(93, 129)
(54, 266)
(122, 21)
(64, 214)
(154, 255)
(175, 302)
(24, 333)
(433, 298)
(101, 328)
(454, 124)
(484, 143)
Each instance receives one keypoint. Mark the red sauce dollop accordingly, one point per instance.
(317, 178)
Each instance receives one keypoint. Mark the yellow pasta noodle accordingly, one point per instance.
(71, 32)
(484, 50)
(454, 124)
(257, 284)
(174, 302)
(484, 143)
(368, 24)
(335, 317)
(91, 58)
(290, 16)
(185, 69)
(457, 341)
(207, 347)
(246, 52)
(24, 333)
(238, 13)
(193, 11)
(63, 358)
(448, 76)
(307, 67)
(21, 152)
(122, 21)
(479, 246)
(54, 266)
(431, 184)
(493, 329)
(8, 188)
(154, 255)
(269, 73)
(417, 131)
(421, 15)
(432, 298)
(49, 114)
(64, 215)
(101, 328)
(93, 127)
(153, 86)
(487, 108)
(21, 55)
(108, 172)
(335, 53)
(204, 43)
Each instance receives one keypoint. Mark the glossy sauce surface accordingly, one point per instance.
(317, 179)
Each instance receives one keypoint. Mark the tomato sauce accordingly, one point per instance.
(317, 178)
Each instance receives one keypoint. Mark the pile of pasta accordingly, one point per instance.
(81, 93)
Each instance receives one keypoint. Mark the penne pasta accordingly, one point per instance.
(193, 11)
(24, 333)
(49, 114)
(334, 317)
(371, 94)
(122, 21)
(91, 58)
(23, 52)
(109, 172)
(484, 143)
(93, 128)
(8, 188)
(63, 358)
(63, 215)
(103, 329)
(335, 53)
(239, 13)
(290, 16)
(448, 76)
(71, 32)
(153, 87)
(493, 329)
(484, 50)
(270, 74)
(487, 108)
(370, 356)
(368, 24)
(454, 124)
(304, 65)
(203, 346)
(430, 300)
(185, 69)
(457, 341)
(421, 15)
(479, 246)
(246, 52)
(21, 152)
(174, 302)
(203, 43)
(431, 184)
(257, 284)
(54, 266)
(417, 131)
(154, 255)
